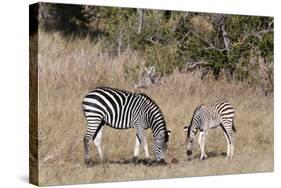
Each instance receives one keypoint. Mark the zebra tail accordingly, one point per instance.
(83, 110)
(233, 127)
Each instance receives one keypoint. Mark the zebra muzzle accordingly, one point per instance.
(188, 152)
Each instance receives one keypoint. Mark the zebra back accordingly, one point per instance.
(219, 109)
(216, 112)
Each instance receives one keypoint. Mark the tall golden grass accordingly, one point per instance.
(68, 69)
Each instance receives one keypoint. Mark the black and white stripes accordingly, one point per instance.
(208, 116)
(122, 110)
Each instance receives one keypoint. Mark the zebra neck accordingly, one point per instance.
(157, 129)
(152, 116)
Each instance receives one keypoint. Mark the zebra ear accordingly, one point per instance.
(169, 131)
(167, 135)
(185, 128)
(161, 135)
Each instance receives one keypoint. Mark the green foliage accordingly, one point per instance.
(62, 17)
(165, 58)
(238, 46)
(119, 29)
(266, 47)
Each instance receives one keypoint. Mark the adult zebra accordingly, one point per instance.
(208, 116)
(122, 110)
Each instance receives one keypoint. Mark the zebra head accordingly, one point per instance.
(160, 145)
(190, 140)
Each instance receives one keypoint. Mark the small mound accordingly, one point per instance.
(175, 161)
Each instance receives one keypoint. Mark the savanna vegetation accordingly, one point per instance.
(198, 58)
(237, 47)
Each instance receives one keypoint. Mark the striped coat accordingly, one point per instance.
(208, 116)
(123, 110)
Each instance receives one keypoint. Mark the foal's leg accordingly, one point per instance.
(202, 143)
(227, 130)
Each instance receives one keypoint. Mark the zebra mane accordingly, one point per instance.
(220, 100)
(151, 100)
(115, 89)
(146, 96)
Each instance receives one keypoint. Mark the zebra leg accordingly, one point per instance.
(145, 147)
(227, 130)
(86, 149)
(137, 149)
(94, 127)
(232, 147)
(142, 140)
(228, 154)
(97, 143)
(202, 143)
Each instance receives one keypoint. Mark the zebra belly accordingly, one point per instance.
(118, 127)
(214, 123)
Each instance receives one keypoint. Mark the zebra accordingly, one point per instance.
(121, 109)
(209, 116)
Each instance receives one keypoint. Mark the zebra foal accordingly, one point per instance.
(123, 110)
(209, 116)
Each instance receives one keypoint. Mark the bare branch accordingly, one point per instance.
(210, 45)
(185, 36)
(119, 40)
(258, 34)
(262, 32)
(140, 14)
(193, 65)
(150, 39)
(224, 35)
(155, 39)
(217, 49)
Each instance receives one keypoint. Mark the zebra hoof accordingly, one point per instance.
(229, 157)
(135, 160)
(89, 163)
(162, 162)
(188, 152)
(148, 162)
(203, 157)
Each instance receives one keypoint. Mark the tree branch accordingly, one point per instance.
(224, 34)
(210, 45)
(258, 34)
(155, 39)
(217, 49)
(193, 65)
(140, 14)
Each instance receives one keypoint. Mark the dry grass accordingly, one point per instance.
(69, 69)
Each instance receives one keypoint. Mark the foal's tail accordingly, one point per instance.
(233, 127)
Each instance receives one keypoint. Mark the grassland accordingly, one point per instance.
(68, 69)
